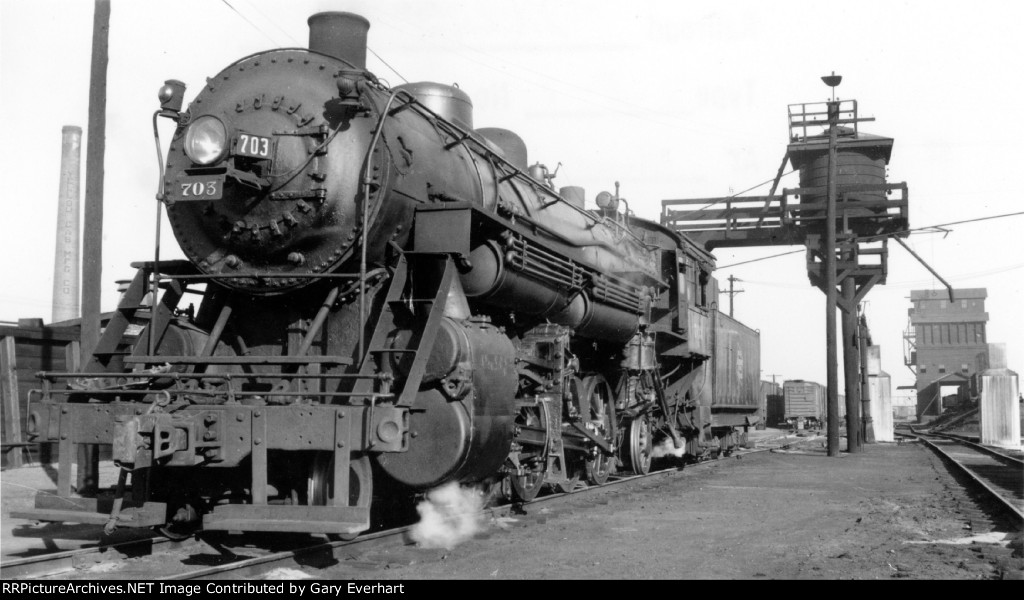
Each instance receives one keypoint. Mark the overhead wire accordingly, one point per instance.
(292, 38)
(898, 284)
(975, 220)
(273, 22)
(734, 196)
(247, 20)
(871, 238)
(753, 260)
(386, 64)
(589, 96)
(717, 201)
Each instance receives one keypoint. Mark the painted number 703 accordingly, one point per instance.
(201, 190)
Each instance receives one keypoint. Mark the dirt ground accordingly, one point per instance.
(892, 511)
(19, 539)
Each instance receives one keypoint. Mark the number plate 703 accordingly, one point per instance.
(255, 146)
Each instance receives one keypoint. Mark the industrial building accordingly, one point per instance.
(942, 346)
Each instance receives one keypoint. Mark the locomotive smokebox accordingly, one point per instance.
(341, 35)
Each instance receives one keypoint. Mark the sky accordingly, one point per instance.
(671, 99)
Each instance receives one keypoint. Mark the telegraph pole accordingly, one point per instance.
(92, 243)
(732, 293)
(829, 253)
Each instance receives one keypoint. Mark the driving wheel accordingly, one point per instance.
(598, 400)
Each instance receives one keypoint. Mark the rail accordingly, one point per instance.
(999, 476)
(298, 554)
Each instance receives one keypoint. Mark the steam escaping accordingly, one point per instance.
(667, 448)
(449, 516)
(286, 573)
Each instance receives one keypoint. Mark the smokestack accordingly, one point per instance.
(66, 256)
(341, 35)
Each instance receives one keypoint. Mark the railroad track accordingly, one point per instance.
(974, 439)
(998, 474)
(232, 557)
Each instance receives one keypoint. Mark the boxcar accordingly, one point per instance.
(729, 384)
(737, 359)
(804, 403)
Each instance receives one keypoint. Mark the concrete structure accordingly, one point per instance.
(942, 343)
(880, 389)
(997, 402)
(904, 408)
(66, 255)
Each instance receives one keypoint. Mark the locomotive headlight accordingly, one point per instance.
(206, 140)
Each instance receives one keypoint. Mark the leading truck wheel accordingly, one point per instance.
(638, 445)
(526, 487)
(320, 486)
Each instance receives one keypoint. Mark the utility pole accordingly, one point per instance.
(732, 293)
(92, 243)
(829, 254)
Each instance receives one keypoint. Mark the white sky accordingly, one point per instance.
(673, 99)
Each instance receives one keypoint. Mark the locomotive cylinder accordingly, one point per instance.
(461, 430)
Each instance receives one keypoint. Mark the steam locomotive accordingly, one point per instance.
(380, 299)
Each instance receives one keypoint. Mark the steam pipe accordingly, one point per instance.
(318, 322)
(217, 331)
(365, 222)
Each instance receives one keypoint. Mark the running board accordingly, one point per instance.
(305, 519)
